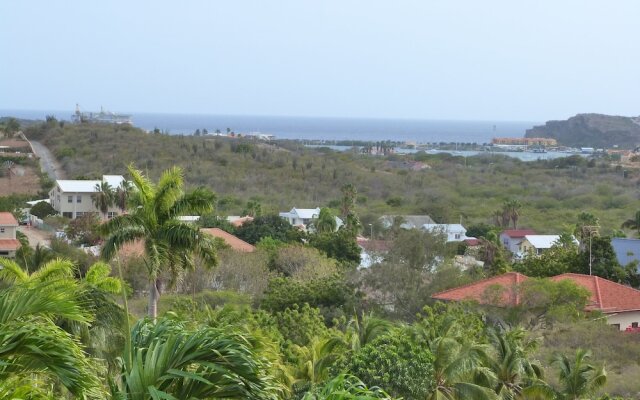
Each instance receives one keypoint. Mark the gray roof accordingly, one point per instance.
(627, 250)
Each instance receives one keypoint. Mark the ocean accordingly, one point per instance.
(313, 128)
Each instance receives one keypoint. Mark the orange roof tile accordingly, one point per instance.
(477, 291)
(6, 218)
(606, 296)
(9, 244)
(232, 241)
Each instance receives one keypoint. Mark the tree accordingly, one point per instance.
(395, 362)
(169, 244)
(252, 209)
(559, 259)
(633, 223)
(313, 361)
(604, 262)
(122, 194)
(103, 197)
(303, 263)
(326, 221)
(587, 226)
(579, 378)
(511, 211)
(168, 360)
(33, 348)
(346, 387)
(268, 226)
(42, 209)
(340, 245)
(12, 126)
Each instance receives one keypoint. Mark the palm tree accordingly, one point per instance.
(510, 372)
(512, 212)
(579, 378)
(169, 361)
(346, 387)
(362, 331)
(169, 244)
(121, 195)
(103, 197)
(33, 348)
(326, 222)
(633, 223)
(455, 364)
(315, 360)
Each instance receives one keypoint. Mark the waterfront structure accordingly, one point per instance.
(8, 242)
(620, 304)
(102, 117)
(74, 198)
(524, 141)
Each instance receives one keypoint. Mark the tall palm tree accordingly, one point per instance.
(34, 349)
(121, 195)
(169, 244)
(103, 197)
(579, 378)
(512, 211)
(167, 360)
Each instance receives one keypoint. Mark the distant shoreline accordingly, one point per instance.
(316, 128)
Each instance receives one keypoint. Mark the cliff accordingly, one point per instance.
(591, 130)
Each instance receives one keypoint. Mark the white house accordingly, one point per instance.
(408, 221)
(301, 216)
(511, 238)
(74, 198)
(453, 232)
(537, 244)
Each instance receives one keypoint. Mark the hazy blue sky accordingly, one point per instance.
(512, 60)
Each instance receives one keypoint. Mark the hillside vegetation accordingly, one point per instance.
(592, 130)
(285, 174)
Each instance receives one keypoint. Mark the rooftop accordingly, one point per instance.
(9, 244)
(542, 241)
(232, 241)
(7, 219)
(88, 186)
(477, 291)
(518, 233)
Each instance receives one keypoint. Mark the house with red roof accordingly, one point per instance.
(234, 242)
(8, 242)
(512, 238)
(619, 303)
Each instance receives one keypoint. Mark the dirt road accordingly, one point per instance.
(48, 162)
(36, 236)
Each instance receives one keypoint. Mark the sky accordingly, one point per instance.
(529, 60)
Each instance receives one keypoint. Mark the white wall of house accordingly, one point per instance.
(624, 319)
(453, 232)
(511, 244)
(7, 232)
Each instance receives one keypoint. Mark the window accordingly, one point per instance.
(617, 326)
(78, 199)
(457, 236)
(111, 214)
(79, 214)
(70, 199)
(634, 324)
(4, 253)
(1, 230)
(67, 215)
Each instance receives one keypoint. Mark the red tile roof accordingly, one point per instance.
(232, 241)
(241, 221)
(606, 296)
(6, 218)
(472, 242)
(381, 246)
(478, 290)
(518, 233)
(9, 244)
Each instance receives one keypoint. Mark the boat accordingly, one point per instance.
(102, 117)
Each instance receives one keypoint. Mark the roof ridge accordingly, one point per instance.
(598, 294)
(481, 280)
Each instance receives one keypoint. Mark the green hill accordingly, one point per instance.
(286, 174)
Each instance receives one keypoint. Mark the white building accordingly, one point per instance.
(512, 238)
(302, 217)
(537, 244)
(8, 242)
(74, 198)
(453, 232)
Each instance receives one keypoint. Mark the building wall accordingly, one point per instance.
(60, 202)
(9, 232)
(512, 244)
(624, 319)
